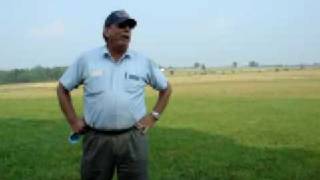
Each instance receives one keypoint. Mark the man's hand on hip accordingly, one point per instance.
(145, 123)
(78, 126)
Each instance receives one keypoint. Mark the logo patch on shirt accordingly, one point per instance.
(134, 77)
(131, 76)
(96, 72)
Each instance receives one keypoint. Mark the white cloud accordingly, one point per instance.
(54, 29)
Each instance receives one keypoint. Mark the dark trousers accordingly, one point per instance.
(127, 153)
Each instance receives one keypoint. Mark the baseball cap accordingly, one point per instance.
(120, 16)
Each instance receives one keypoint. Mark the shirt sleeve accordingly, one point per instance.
(156, 78)
(73, 76)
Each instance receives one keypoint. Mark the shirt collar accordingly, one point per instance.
(127, 54)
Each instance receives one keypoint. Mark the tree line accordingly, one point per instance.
(35, 74)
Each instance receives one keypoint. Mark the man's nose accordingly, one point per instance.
(127, 29)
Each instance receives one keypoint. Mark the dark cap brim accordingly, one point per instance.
(131, 22)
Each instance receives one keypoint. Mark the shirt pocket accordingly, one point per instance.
(133, 85)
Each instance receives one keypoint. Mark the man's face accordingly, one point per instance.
(118, 34)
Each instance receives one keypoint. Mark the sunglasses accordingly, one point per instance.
(124, 25)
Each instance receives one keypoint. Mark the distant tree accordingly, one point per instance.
(36, 74)
(203, 67)
(39, 73)
(196, 65)
(316, 64)
(253, 64)
(235, 64)
(57, 72)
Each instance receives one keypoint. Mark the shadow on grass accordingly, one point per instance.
(189, 154)
(38, 150)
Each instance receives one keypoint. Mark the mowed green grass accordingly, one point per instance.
(235, 126)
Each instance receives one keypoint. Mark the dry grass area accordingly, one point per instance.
(305, 84)
(312, 74)
(30, 90)
(239, 84)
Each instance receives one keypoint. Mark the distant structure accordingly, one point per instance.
(253, 64)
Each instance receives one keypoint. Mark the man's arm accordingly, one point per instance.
(67, 108)
(163, 98)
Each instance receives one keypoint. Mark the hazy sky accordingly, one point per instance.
(176, 32)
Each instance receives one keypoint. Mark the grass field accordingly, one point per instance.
(235, 126)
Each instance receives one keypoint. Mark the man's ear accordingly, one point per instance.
(106, 32)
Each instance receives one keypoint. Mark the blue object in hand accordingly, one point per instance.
(74, 138)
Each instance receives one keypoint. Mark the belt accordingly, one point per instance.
(111, 131)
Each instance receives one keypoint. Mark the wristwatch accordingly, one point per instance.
(156, 115)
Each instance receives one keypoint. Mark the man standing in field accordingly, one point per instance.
(115, 118)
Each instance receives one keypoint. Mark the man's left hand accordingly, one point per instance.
(145, 123)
